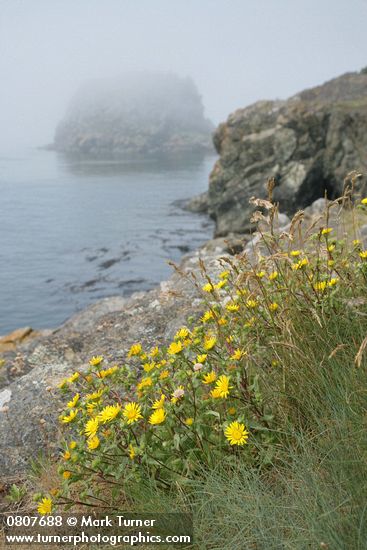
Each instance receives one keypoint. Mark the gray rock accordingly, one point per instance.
(307, 143)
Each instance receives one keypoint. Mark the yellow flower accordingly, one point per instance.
(232, 410)
(74, 401)
(222, 321)
(330, 263)
(132, 412)
(224, 275)
(209, 342)
(66, 474)
(242, 292)
(164, 374)
(91, 407)
(222, 386)
(174, 348)
(72, 445)
(109, 413)
(70, 417)
(232, 307)
(132, 452)
(236, 433)
(66, 455)
(331, 247)
(260, 274)
(273, 275)
(96, 360)
(94, 396)
(295, 253)
(159, 403)
(93, 442)
(91, 427)
(209, 377)
(274, 306)
(215, 393)
(149, 366)
(45, 506)
(154, 352)
(320, 286)
(250, 322)
(189, 421)
(333, 281)
(145, 383)
(207, 316)
(363, 254)
(73, 377)
(208, 287)
(251, 304)
(326, 231)
(300, 264)
(107, 372)
(364, 201)
(356, 242)
(238, 354)
(157, 417)
(182, 333)
(220, 284)
(135, 349)
(201, 358)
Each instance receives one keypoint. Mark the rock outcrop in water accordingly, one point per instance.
(140, 114)
(307, 143)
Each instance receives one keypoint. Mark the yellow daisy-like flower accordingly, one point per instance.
(66, 474)
(66, 455)
(69, 417)
(145, 383)
(209, 342)
(94, 396)
(174, 348)
(232, 307)
(109, 413)
(45, 506)
(96, 360)
(208, 287)
(274, 306)
(93, 442)
(222, 385)
(215, 393)
(132, 412)
(364, 201)
(238, 354)
(132, 452)
(300, 264)
(135, 349)
(295, 253)
(91, 408)
(326, 231)
(222, 321)
(220, 284)
(182, 333)
(236, 433)
(154, 352)
(207, 316)
(157, 417)
(331, 247)
(164, 374)
(72, 445)
(159, 404)
(260, 274)
(224, 275)
(320, 286)
(107, 372)
(74, 401)
(273, 276)
(201, 358)
(330, 263)
(251, 304)
(333, 281)
(73, 377)
(91, 427)
(209, 377)
(189, 421)
(356, 242)
(149, 366)
(363, 254)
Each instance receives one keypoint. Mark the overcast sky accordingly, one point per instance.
(237, 51)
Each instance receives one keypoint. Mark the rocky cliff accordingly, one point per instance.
(138, 114)
(307, 143)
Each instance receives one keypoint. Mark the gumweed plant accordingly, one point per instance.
(216, 389)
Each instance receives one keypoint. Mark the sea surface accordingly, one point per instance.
(73, 232)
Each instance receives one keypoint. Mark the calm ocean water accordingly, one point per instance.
(74, 232)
